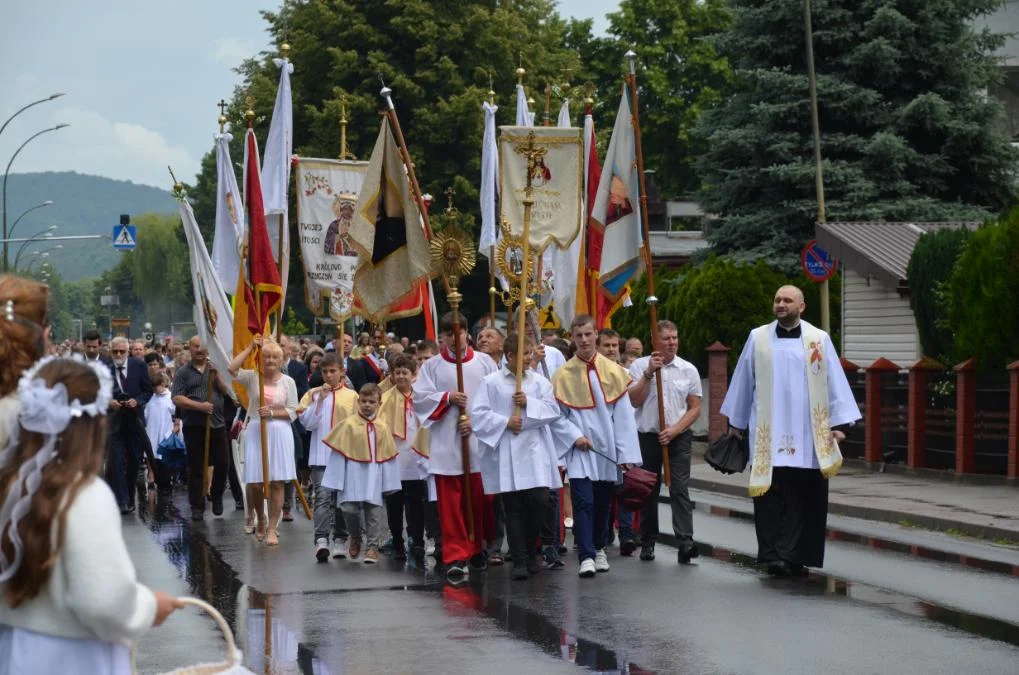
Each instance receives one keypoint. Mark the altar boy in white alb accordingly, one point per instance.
(518, 456)
(442, 409)
(790, 392)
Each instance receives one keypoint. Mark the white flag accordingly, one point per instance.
(276, 172)
(212, 313)
(617, 207)
(229, 234)
(564, 114)
(524, 117)
(489, 191)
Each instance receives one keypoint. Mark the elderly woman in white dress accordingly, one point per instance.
(279, 411)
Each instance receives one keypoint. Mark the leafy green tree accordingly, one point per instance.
(983, 294)
(679, 73)
(908, 132)
(930, 268)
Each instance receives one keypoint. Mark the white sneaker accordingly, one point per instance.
(568, 523)
(321, 550)
(587, 568)
(429, 546)
(339, 548)
(601, 561)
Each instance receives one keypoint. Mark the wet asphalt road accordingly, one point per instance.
(719, 615)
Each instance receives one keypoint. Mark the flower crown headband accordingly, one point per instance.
(45, 410)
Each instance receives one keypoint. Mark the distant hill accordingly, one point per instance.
(81, 205)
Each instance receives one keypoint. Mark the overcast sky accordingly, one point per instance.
(141, 79)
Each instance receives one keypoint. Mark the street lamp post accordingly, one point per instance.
(38, 236)
(8, 170)
(17, 220)
(42, 100)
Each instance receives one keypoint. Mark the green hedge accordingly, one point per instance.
(983, 296)
(930, 268)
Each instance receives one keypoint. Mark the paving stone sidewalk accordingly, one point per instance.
(987, 511)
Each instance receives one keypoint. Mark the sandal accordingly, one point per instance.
(272, 539)
(260, 531)
(249, 527)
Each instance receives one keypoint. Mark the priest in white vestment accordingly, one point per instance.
(790, 393)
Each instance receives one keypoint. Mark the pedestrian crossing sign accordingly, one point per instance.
(124, 238)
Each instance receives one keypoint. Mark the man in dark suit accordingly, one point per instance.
(93, 345)
(132, 389)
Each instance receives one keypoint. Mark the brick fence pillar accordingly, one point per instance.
(874, 383)
(919, 377)
(718, 387)
(965, 414)
(1013, 420)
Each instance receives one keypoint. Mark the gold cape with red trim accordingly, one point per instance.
(351, 439)
(573, 387)
(344, 403)
(394, 410)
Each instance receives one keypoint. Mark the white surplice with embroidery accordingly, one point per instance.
(511, 461)
(791, 430)
(435, 382)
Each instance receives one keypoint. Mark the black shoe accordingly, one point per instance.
(551, 559)
(239, 505)
(479, 562)
(563, 550)
(779, 569)
(197, 514)
(520, 573)
(456, 570)
(417, 553)
(217, 506)
(626, 548)
(647, 550)
(399, 551)
(124, 510)
(687, 551)
(796, 570)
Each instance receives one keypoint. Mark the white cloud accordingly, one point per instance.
(93, 144)
(231, 51)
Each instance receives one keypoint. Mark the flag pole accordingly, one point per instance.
(652, 300)
(285, 53)
(525, 304)
(452, 296)
(492, 291)
(208, 430)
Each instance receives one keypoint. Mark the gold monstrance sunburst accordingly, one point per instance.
(452, 250)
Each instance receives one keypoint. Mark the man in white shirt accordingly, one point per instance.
(681, 393)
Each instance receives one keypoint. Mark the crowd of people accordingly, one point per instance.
(466, 449)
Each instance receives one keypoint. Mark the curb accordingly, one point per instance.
(881, 515)
(838, 534)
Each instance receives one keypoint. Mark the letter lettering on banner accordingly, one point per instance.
(326, 199)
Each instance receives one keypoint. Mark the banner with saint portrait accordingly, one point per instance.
(555, 159)
(327, 192)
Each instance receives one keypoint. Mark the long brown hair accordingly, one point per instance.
(81, 449)
(21, 339)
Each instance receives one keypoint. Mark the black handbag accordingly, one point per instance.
(729, 454)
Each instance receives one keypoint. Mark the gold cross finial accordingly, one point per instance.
(449, 199)
(222, 115)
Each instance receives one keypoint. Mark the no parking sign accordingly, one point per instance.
(817, 263)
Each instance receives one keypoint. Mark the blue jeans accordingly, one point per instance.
(592, 507)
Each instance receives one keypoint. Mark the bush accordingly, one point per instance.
(983, 296)
(930, 268)
(719, 299)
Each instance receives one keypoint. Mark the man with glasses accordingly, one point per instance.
(132, 389)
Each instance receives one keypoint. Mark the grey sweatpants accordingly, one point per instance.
(371, 530)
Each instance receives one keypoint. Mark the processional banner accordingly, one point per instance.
(557, 182)
(327, 192)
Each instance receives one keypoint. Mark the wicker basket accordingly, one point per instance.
(234, 657)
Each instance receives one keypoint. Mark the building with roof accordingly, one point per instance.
(877, 320)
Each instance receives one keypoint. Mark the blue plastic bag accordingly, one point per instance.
(171, 451)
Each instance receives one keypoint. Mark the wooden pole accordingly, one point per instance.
(415, 188)
(280, 262)
(815, 124)
(208, 430)
(652, 300)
